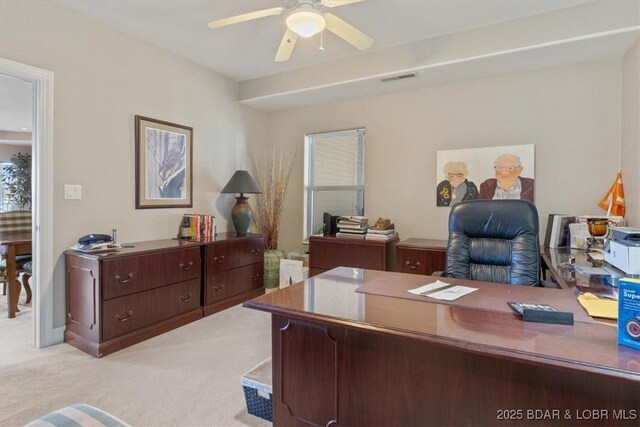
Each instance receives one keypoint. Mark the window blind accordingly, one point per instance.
(334, 176)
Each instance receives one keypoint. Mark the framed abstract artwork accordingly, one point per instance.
(163, 164)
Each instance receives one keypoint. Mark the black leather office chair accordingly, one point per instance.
(494, 241)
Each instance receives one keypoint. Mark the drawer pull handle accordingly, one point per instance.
(124, 319)
(218, 288)
(218, 260)
(185, 299)
(256, 251)
(413, 267)
(255, 277)
(185, 267)
(121, 280)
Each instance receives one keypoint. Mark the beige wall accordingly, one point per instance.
(7, 150)
(571, 114)
(631, 133)
(102, 79)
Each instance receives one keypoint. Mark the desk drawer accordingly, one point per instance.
(133, 312)
(181, 265)
(234, 254)
(421, 261)
(221, 286)
(124, 276)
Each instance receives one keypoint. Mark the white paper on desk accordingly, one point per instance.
(430, 287)
(581, 269)
(448, 292)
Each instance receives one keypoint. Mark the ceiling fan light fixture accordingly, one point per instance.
(306, 23)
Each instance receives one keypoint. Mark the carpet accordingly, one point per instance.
(186, 377)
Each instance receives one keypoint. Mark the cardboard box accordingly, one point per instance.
(629, 313)
(299, 257)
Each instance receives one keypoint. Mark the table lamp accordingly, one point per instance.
(241, 182)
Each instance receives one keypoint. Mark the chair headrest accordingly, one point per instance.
(504, 219)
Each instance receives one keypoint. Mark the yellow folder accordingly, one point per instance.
(599, 307)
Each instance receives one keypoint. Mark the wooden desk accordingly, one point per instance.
(11, 245)
(350, 358)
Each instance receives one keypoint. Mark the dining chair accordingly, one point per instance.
(17, 221)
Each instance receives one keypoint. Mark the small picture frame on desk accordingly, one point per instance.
(557, 234)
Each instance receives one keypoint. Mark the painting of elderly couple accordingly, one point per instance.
(485, 173)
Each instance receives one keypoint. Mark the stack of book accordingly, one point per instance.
(382, 235)
(382, 230)
(352, 227)
(197, 227)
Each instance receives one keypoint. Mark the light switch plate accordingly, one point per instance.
(73, 191)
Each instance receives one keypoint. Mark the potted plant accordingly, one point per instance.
(272, 173)
(17, 180)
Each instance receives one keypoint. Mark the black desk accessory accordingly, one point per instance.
(541, 313)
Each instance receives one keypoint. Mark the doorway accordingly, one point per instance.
(43, 333)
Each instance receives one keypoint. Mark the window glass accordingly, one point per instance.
(334, 176)
(5, 204)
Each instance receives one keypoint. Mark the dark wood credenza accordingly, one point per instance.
(118, 299)
(327, 252)
(421, 256)
(233, 270)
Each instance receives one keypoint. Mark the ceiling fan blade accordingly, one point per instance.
(245, 17)
(336, 3)
(347, 32)
(286, 46)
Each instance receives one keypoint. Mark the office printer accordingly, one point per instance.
(623, 249)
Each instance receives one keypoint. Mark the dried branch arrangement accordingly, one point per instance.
(272, 173)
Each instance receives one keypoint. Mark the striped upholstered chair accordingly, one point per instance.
(78, 415)
(18, 221)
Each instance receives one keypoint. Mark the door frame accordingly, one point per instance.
(42, 188)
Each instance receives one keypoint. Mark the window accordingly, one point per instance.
(5, 204)
(334, 176)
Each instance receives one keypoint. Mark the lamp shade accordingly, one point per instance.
(241, 182)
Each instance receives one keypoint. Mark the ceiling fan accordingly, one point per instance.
(307, 18)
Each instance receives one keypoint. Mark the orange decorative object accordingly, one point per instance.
(613, 201)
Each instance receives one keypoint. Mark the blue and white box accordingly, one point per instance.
(629, 313)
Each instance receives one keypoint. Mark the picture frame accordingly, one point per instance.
(501, 172)
(164, 159)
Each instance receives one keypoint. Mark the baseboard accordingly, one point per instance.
(58, 335)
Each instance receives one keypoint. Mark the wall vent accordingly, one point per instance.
(400, 77)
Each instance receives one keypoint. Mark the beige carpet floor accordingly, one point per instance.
(186, 377)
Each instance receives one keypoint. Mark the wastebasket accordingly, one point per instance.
(257, 386)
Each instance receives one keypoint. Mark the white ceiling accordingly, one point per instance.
(16, 104)
(246, 50)
(16, 109)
